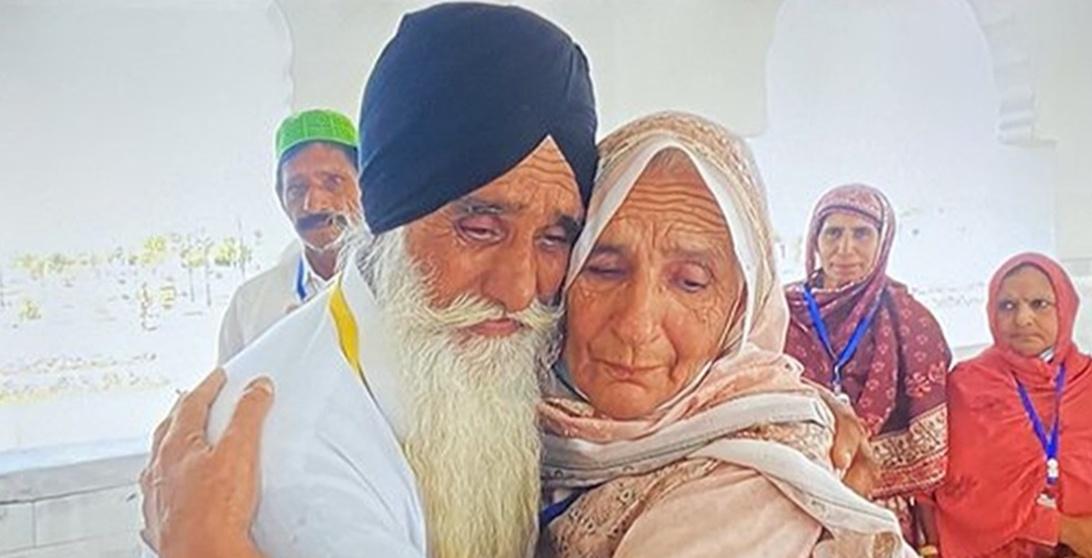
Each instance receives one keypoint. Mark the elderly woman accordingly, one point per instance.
(1019, 481)
(676, 426)
(861, 334)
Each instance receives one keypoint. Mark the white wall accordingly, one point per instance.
(90, 509)
(130, 129)
(1061, 46)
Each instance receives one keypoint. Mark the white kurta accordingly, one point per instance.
(265, 298)
(335, 482)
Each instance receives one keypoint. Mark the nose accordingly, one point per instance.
(511, 279)
(1025, 316)
(315, 200)
(845, 244)
(636, 321)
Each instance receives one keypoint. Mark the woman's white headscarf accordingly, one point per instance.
(726, 167)
(751, 383)
(730, 174)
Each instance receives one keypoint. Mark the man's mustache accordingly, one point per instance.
(322, 220)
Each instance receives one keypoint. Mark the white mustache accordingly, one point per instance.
(345, 225)
(469, 310)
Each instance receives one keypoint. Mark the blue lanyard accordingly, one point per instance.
(553, 511)
(300, 290)
(842, 358)
(1049, 445)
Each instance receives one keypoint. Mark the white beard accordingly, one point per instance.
(473, 440)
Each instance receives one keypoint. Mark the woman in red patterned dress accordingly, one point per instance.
(861, 334)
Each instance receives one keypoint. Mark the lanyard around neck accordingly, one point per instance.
(1049, 444)
(301, 291)
(843, 357)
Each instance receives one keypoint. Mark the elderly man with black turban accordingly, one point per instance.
(404, 422)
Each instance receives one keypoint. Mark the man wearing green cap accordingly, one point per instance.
(317, 186)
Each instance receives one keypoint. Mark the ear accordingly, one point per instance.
(279, 186)
(280, 200)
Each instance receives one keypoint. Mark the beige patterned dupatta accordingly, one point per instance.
(747, 410)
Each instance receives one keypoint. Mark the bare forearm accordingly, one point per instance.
(241, 549)
(228, 547)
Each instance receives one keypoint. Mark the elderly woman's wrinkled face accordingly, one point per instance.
(651, 304)
(1027, 315)
(848, 244)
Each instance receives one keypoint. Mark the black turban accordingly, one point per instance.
(460, 95)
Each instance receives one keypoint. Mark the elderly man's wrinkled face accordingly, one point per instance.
(1027, 313)
(651, 304)
(848, 244)
(320, 194)
(507, 243)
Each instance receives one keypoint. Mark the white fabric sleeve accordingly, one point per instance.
(231, 332)
(321, 519)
